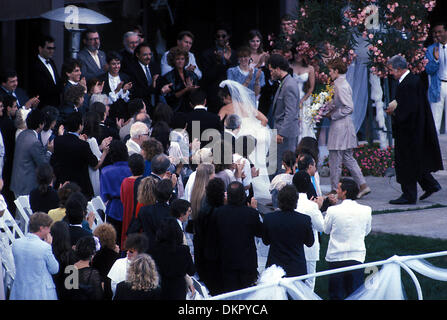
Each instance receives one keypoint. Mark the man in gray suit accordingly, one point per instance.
(285, 107)
(93, 60)
(29, 153)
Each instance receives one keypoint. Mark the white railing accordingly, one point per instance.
(288, 283)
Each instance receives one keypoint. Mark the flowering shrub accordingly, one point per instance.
(400, 28)
(372, 160)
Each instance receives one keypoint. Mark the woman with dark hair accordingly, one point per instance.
(64, 254)
(74, 97)
(163, 112)
(91, 131)
(173, 260)
(63, 193)
(149, 149)
(283, 179)
(245, 74)
(304, 74)
(48, 132)
(111, 178)
(183, 81)
(90, 287)
(257, 54)
(205, 252)
(44, 197)
(161, 131)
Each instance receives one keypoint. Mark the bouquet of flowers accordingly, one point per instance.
(319, 107)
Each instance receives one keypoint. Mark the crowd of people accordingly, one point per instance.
(180, 149)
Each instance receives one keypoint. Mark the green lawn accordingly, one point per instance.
(383, 246)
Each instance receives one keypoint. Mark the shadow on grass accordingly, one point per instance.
(383, 246)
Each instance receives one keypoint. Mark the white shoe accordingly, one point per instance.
(364, 192)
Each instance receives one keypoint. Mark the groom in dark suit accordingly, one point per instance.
(285, 107)
(417, 151)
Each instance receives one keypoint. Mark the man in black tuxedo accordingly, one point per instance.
(237, 226)
(45, 80)
(286, 232)
(417, 151)
(149, 217)
(72, 156)
(200, 119)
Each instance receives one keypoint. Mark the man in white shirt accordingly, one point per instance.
(136, 243)
(308, 207)
(347, 224)
(184, 41)
(139, 132)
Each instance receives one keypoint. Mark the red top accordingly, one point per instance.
(127, 198)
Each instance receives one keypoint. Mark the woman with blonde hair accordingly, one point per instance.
(205, 172)
(146, 195)
(142, 281)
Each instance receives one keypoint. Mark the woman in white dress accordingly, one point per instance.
(304, 74)
(243, 104)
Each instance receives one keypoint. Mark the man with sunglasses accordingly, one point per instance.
(215, 63)
(45, 80)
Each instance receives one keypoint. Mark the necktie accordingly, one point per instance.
(148, 75)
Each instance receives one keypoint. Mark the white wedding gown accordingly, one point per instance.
(305, 130)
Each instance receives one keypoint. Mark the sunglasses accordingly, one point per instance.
(221, 36)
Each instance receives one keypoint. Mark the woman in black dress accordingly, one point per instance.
(142, 281)
(173, 260)
(183, 81)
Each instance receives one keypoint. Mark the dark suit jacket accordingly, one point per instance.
(71, 159)
(173, 264)
(140, 87)
(118, 109)
(149, 219)
(42, 84)
(126, 61)
(89, 67)
(237, 228)
(77, 233)
(286, 233)
(21, 95)
(206, 119)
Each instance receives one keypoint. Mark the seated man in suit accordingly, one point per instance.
(287, 231)
(199, 120)
(139, 132)
(72, 156)
(45, 80)
(10, 85)
(93, 60)
(236, 229)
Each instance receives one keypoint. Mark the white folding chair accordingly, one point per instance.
(24, 209)
(94, 205)
(10, 227)
(200, 288)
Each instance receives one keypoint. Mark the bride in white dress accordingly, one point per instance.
(304, 74)
(252, 123)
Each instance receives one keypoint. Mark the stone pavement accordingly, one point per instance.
(425, 221)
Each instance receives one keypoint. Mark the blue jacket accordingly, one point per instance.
(432, 68)
(34, 263)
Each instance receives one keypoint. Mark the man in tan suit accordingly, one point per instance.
(342, 136)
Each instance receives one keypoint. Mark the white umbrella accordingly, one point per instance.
(72, 16)
(76, 15)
